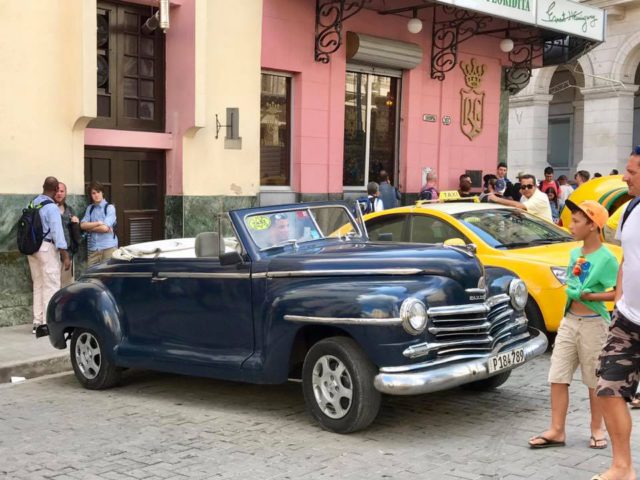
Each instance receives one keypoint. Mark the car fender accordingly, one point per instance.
(85, 304)
(498, 279)
(290, 305)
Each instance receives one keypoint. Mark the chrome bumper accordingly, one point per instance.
(443, 377)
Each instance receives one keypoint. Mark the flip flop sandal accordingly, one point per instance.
(635, 403)
(599, 476)
(548, 443)
(595, 441)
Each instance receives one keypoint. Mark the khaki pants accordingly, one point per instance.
(45, 273)
(578, 344)
(98, 256)
(66, 276)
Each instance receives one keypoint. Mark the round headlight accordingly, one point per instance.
(518, 293)
(414, 316)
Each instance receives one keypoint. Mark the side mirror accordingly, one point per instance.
(458, 242)
(455, 242)
(230, 258)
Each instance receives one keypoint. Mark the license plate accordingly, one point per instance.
(506, 360)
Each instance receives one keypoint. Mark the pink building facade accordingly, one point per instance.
(428, 131)
(318, 107)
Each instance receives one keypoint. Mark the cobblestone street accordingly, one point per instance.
(166, 426)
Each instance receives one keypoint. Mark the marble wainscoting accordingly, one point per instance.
(201, 212)
(15, 281)
(319, 197)
(173, 216)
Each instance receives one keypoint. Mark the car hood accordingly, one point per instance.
(556, 254)
(368, 258)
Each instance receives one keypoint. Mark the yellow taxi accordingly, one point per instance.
(534, 249)
(610, 191)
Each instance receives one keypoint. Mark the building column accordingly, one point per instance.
(608, 128)
(578, 135)
(528, 132)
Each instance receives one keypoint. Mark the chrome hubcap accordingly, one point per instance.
(88, 355)
(332, 386)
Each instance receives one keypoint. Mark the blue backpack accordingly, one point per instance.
(365, 204)
(30, 232)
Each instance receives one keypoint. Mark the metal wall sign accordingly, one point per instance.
(573, 18)
(561, 15)
(519, 10)
(472, 99)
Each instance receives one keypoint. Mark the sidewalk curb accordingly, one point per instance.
(35, 368)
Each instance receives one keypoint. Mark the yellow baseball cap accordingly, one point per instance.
(592, 209)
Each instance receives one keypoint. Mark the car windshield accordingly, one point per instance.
(506, 228)
(298, 225)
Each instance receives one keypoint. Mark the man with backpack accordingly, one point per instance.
(371, 203)
(100, 222)
(41, 238)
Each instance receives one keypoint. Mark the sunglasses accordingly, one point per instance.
(526, 187)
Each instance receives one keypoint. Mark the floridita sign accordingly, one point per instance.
(564, 16)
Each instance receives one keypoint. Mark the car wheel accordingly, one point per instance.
(488, 383)
(337, 381)
(92, 368)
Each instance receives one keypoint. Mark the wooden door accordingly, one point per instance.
(134, 182)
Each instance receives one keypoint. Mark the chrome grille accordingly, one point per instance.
(471, 329)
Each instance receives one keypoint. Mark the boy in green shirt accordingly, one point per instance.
(591, 277)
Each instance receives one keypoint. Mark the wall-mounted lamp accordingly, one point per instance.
(232, 139)
(158, 19)
(506, 45)
(414, 25)
(164, 15)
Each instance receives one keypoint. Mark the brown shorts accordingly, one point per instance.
(620, 359)
(578, 344)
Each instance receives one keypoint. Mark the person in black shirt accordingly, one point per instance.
(464, 186)
(501, 173)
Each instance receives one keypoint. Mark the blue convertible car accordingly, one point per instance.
(298, 291)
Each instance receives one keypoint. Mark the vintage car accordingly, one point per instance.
(298, 291)
(534, 249)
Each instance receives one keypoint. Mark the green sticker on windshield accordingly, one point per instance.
(259, 223)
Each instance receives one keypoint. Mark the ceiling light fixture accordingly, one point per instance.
(414, 25)
(506, 45)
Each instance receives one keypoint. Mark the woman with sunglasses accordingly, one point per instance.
(533, 200)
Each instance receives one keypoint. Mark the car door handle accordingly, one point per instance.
(158, 279)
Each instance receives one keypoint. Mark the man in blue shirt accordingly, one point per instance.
(99, 221)
(388, 193)
(45, 263)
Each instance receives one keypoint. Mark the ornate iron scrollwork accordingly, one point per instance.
(517, 76)
(330, 14)
(459, 26)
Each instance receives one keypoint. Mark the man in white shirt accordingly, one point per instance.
(533, 200)
(619, 372)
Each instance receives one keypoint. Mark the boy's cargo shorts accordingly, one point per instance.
(620, 359)
(578, 343)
